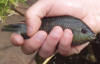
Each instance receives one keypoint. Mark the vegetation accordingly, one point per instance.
(5, 7)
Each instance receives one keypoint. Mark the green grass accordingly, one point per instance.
(5, 7)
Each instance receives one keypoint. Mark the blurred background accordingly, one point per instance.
(8, 53)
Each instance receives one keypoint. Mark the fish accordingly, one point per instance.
(81, 32)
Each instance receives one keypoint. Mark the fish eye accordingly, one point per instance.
(83, 30)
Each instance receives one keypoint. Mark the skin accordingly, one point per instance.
(86, 10)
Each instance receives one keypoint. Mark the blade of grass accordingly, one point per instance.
(5, 7)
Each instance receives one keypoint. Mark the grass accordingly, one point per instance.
(5, 7)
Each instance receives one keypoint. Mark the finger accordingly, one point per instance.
(17, 39)
(34, 43)
(51, 42)
(65, 42)
(77, 49)
(34, 15)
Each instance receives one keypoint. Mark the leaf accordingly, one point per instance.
(5, 7)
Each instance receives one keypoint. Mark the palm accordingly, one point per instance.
(89, 14)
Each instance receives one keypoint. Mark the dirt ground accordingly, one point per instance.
(10, 54)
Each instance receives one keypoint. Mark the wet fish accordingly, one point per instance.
(82, 33)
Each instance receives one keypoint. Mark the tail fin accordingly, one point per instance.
(10, 28)
(18, 28)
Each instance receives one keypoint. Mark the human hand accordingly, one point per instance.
(88, 11)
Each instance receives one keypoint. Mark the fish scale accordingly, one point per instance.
(82, 33)
(61, 21)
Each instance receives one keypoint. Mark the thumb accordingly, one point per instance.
(34, 15)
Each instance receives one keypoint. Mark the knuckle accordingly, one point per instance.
(28, 13)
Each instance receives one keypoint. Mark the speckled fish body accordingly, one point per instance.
(82, 33)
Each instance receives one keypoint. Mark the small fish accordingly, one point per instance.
(81, 32)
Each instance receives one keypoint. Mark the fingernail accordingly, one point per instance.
(16, 39)
(67, 32)
(40, 35)
(56, 31)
